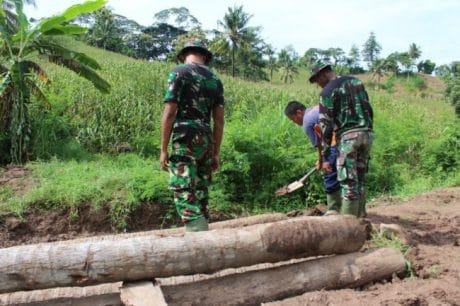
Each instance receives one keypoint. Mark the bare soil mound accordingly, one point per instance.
(432, 224)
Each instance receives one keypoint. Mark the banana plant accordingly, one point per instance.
(21, 77)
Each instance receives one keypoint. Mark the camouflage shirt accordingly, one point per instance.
(344, 107)
(196, 90)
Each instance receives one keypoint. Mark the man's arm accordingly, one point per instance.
(217, 133)
(167, 122)
(319, 163)
(326, 122)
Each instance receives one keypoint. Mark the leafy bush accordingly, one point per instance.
(453, 93)
(442, 156)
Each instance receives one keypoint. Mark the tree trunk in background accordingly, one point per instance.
(70, 263)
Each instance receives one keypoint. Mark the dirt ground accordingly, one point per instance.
(430, 221)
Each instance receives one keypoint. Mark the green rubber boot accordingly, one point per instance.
(334, 202)
(350, 207)
(197, 225)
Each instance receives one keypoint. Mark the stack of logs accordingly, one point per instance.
(254, 260)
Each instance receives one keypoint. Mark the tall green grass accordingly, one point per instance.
(78, 143)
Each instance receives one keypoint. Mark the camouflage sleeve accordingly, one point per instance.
(220, 95)
(326, 123)
(174, 87)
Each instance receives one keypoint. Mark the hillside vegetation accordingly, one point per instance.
(102, 149)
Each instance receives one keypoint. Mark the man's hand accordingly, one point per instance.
(215, 163)
(318, 164)
(327, 167)
(164, 164)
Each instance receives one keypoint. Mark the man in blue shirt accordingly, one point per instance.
(309, 120)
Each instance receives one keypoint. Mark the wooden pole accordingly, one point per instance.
(68, 263)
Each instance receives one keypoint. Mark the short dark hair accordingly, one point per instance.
(292, 107)
(191, 50)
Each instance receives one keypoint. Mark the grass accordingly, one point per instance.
(122, 182)
(80, 139)
(382, 239)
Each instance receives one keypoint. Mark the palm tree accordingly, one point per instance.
(21, 77)
(105, 32)
(236, 32)
(378, 70)
(414, 53)
(272, 65)
(286, 62)
(11, 17)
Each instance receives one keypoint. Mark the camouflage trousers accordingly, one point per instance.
(190, 167)
(352, 163)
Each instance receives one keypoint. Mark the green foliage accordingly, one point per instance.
(181, 15)
(426, 66)
(371, 49)
(443, 155)
(258, 159)
(22, 78)
(380, 239)
(414, 52)
(261, 151)
(126, 117)
(105, 32)
(286, 60)
(453, 93)
(6, 193)
(236, 35)
(415, 84)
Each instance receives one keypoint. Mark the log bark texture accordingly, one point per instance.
(248, 288)
(234, 223)
(256, 287)
(70, 263)
(100, 295)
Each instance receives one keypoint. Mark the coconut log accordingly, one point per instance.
(234, 223)
(68, 263)
(249, 288)
(255, 287)
(103, 295)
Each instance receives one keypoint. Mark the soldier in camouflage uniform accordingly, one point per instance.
(194, 95)
(345, 109)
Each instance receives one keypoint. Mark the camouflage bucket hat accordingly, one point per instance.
(197, 45)
(316, 68)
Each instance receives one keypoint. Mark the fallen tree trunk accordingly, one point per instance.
(106, 294)
(234, 223)
(248, 288)
(255, 287)
(70, 263)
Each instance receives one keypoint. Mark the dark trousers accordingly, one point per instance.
(330, 182)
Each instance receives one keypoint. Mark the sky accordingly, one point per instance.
(434, 25)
